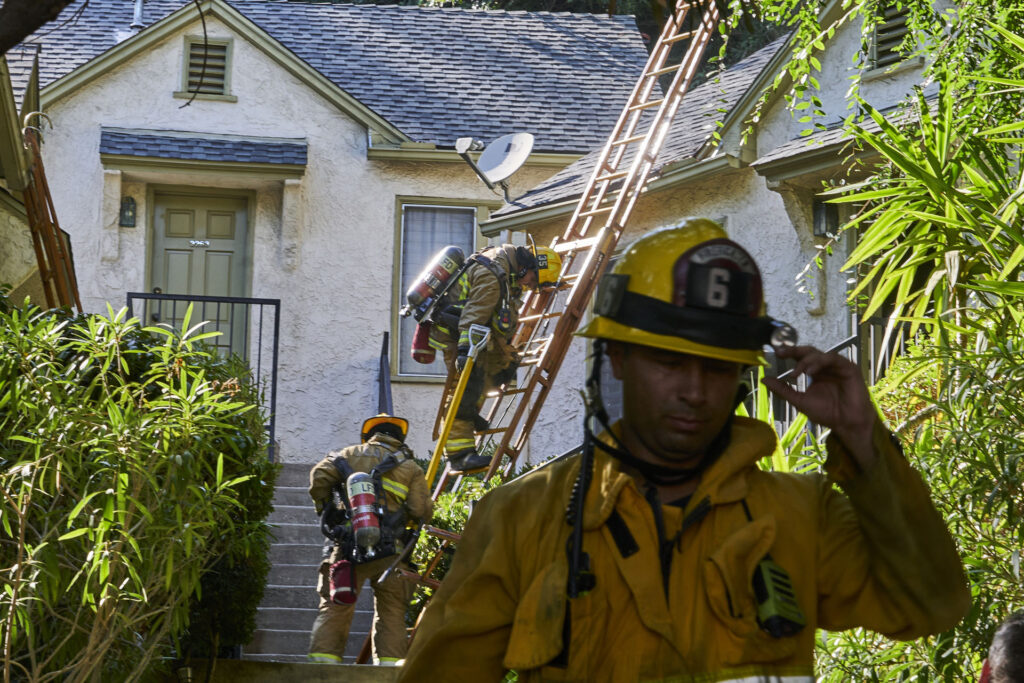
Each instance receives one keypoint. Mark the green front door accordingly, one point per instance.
(200, 248)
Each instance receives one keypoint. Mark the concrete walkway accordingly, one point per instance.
(248, 671)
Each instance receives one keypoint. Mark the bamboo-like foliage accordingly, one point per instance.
(941, 248)
(121, 459)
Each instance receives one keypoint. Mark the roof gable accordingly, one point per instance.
(419, 74)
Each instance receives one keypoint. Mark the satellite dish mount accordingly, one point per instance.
(499, 160)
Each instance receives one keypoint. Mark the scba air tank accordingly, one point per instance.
(362, 496)
(432, 279)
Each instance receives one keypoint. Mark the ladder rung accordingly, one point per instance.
(499, 430)
(508, 392)
(612, 176)
(595, 212)
(646, 105)
(413, 576)
(662, 71)
(443, 534)
(539, 316)
(626, 141)
(583, 243)
(680, 36)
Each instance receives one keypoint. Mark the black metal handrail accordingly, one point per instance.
(243, 335)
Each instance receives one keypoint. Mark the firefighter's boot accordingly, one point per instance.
(468, 459)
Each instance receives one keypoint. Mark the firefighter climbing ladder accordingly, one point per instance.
(588, 243)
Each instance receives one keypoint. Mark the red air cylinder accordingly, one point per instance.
(431, 280)
(362, 496)
(422, 351)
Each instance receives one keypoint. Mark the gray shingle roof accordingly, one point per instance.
(436, 74)
(692, 127)
(180, 145)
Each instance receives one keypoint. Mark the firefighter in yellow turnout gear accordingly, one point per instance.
(487, 293)
(678, 558)
(407, 500)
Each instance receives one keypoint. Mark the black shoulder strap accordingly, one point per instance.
(389, 463)
(344, 469)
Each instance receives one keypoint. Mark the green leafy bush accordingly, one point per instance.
(127, 459)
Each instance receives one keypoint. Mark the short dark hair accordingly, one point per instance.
(1006, 654)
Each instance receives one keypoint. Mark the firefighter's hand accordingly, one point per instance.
(836, 397)
(460, 362)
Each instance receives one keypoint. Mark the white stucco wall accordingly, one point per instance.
(324, 245)
(17, 257)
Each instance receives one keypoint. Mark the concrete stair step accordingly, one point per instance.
(294, 474)
(307, 533)
(296, 553)
(290, 597)
(256, 669)
(293, 575)
(293, 495)
(285, 618)
(294, 514)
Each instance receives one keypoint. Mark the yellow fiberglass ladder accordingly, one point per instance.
(589, 241)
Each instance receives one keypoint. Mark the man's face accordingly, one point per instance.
(674, 404)
(529, 281)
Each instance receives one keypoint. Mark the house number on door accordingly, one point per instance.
(199, 243)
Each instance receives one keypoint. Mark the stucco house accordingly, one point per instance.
(315, 165)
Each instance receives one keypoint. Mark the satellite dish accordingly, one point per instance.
(504, 156)
(499, 160)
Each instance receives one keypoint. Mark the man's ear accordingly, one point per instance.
(616, 352)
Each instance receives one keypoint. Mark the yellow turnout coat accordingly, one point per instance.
(879, 556)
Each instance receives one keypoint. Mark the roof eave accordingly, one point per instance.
(680, 174)
(131, 162)
(814, 162)
(238, 22)
(421, 152)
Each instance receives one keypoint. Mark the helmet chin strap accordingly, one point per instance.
(661, 475)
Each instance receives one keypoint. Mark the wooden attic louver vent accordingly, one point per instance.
(212, 81)
(888, 36)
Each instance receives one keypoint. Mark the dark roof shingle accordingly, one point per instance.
(435, 73)
(692, 127)
(181, 145)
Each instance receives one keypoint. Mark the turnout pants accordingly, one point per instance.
(486, 375)
(390, 600)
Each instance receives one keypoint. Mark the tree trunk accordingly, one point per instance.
(20, 18)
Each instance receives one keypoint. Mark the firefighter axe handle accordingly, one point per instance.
(478, 337)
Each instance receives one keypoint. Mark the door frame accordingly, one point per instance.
(152, 190)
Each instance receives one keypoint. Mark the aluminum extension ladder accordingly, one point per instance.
(589, 241)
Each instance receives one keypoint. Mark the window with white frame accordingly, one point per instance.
(425, 230)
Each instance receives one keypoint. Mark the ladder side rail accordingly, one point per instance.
(45, 275)
(627, 121)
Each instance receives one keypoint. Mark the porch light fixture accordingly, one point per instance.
(826, 219)
(127, 219)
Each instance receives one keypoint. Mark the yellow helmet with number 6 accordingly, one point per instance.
(689, 289)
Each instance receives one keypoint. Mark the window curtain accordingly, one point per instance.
(425, 231)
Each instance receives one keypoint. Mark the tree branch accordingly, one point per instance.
(20, 18)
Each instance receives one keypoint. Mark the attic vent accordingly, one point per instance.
(212, 80)
(888, 36)
(215, 82)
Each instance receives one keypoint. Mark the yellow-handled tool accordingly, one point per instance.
(478, 337)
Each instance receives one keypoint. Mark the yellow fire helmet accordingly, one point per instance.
(384, 419)
(549, 266)
(690, 289)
